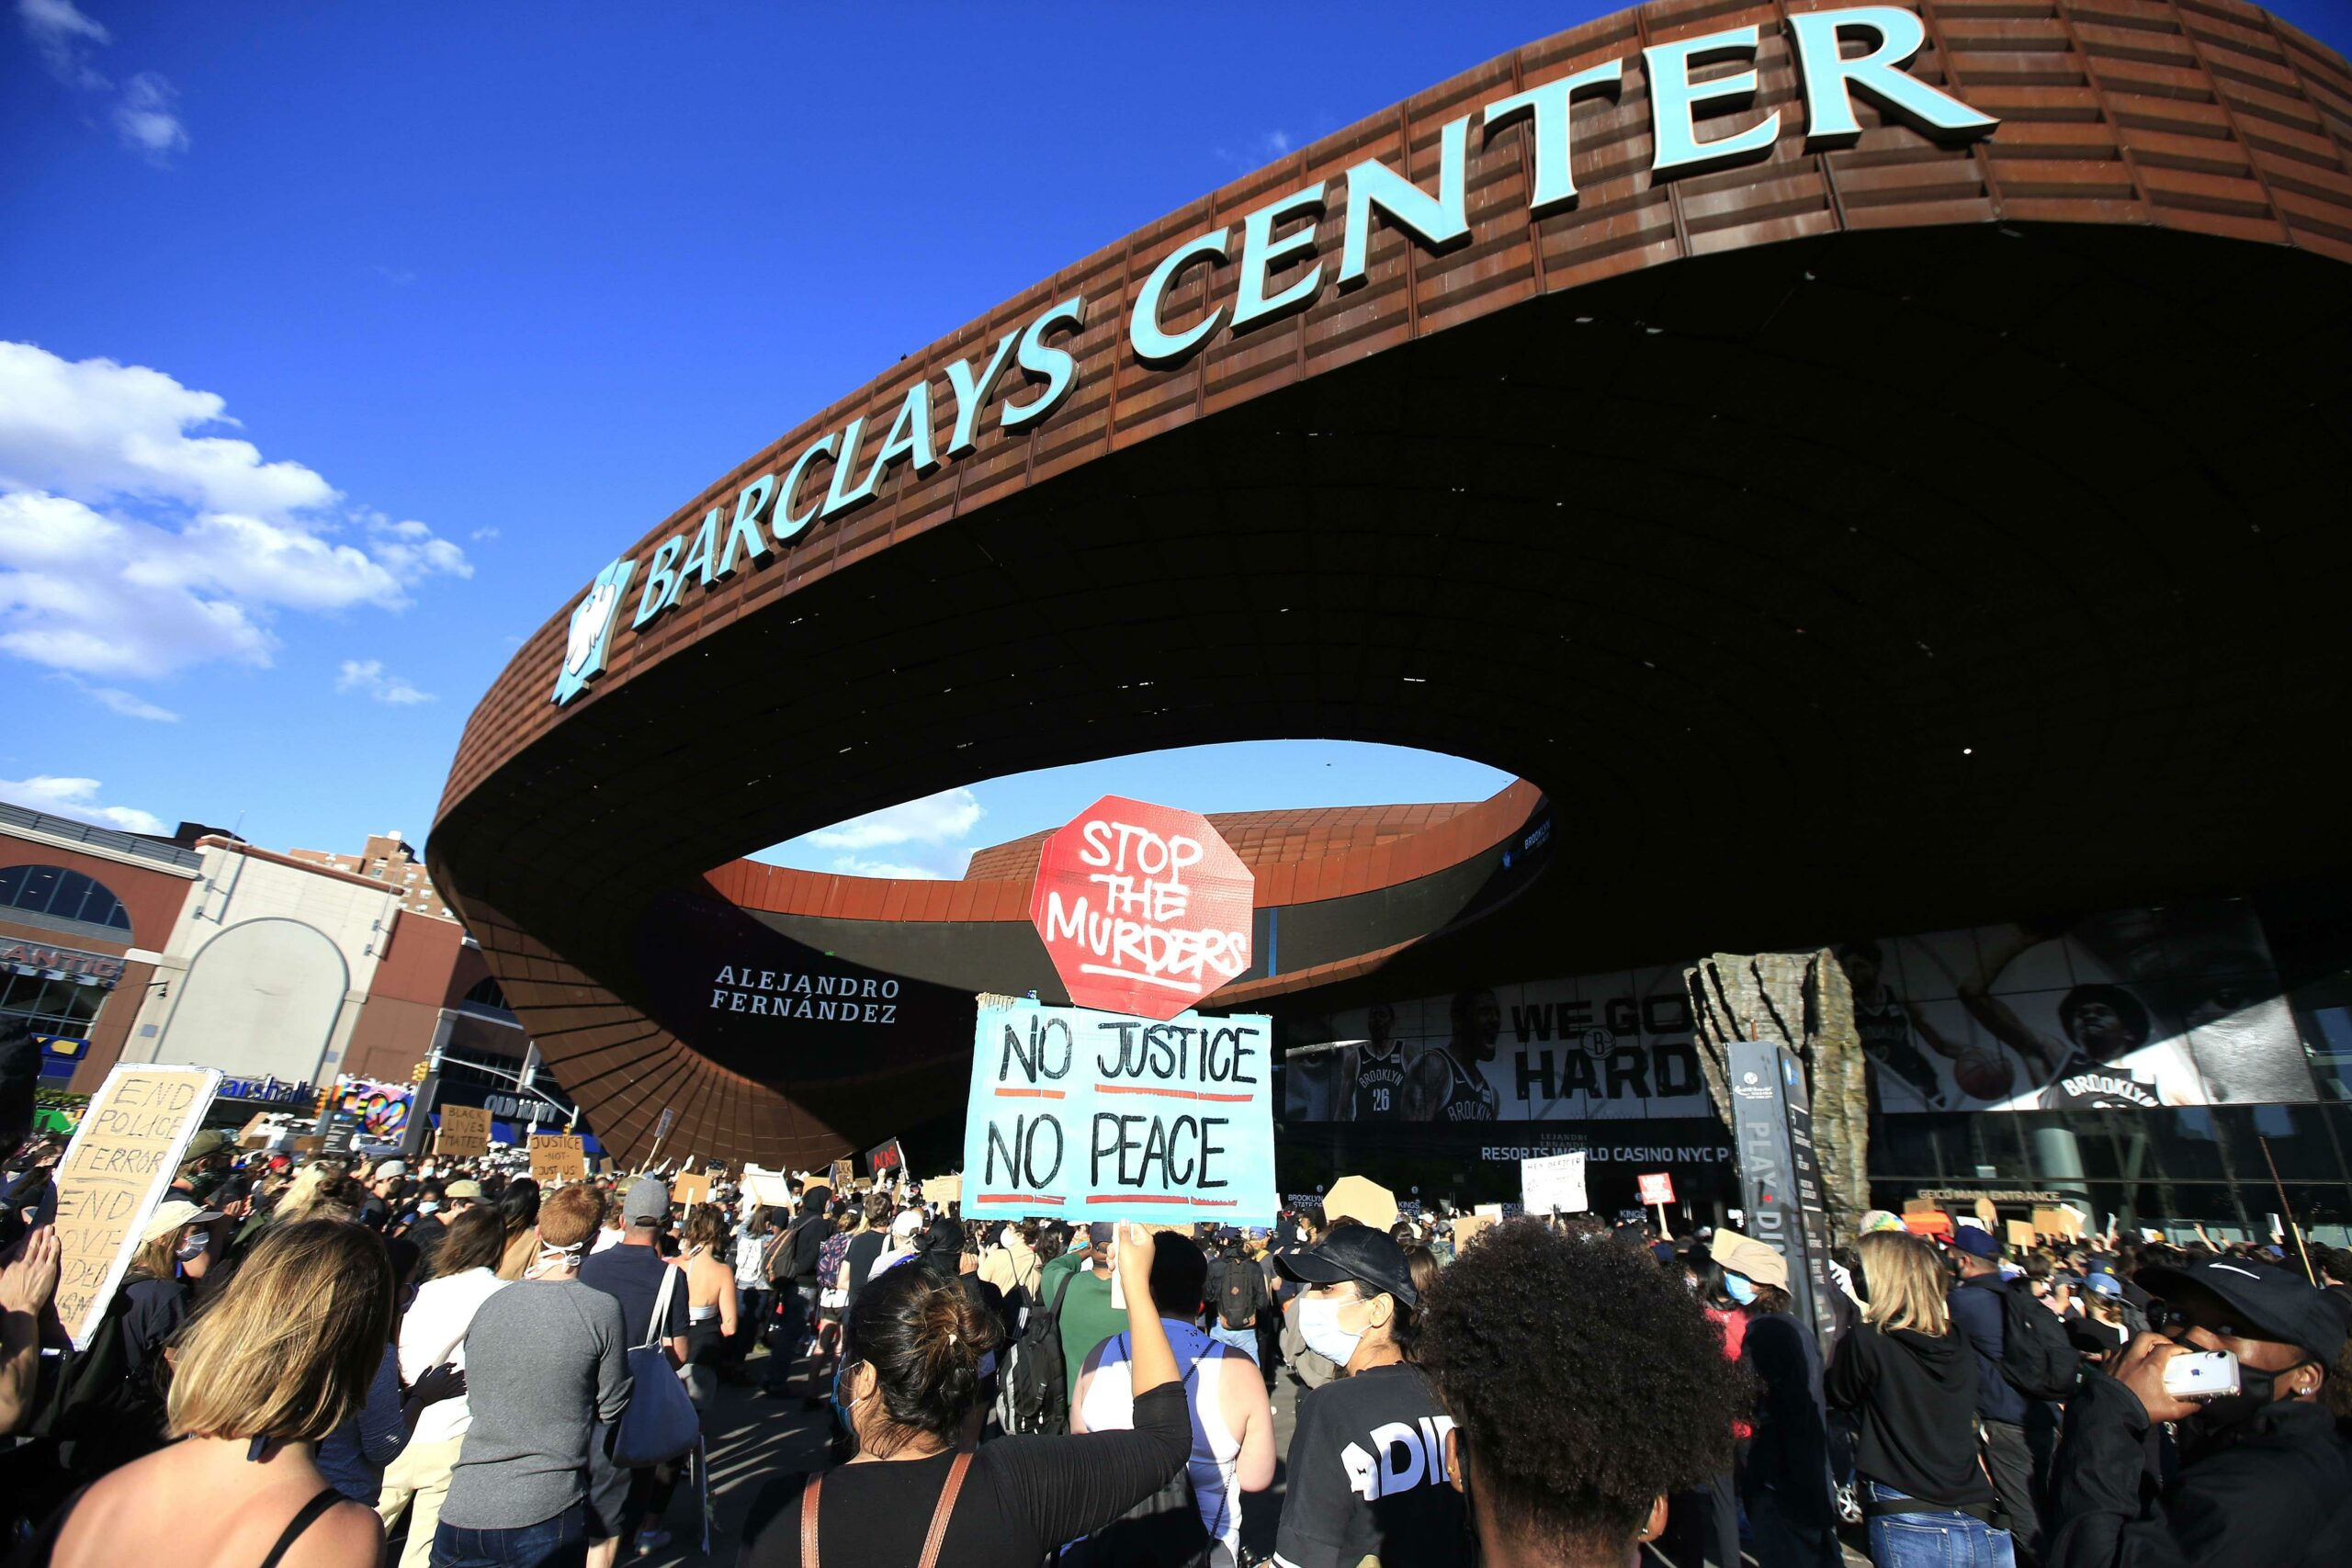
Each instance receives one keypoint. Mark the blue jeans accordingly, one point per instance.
(559, 1542)
(1242, 1339)
(1934, 1539)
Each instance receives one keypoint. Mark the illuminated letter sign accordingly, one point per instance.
(591, 630)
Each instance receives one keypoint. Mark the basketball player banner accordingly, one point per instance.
(1079, 1114)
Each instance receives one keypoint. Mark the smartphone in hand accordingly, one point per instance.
(2201, 1374)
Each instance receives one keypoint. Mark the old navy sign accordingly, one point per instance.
(850, 466)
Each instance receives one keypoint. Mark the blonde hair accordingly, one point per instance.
(156, 1259)
(288, 1349)
(1906, 1285)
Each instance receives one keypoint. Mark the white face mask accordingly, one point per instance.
(1004, 1237)
(1318, 1324)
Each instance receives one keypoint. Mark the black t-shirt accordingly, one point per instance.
(1023, 1499)
(1367, 1476)
(864, 1248)
(632, 1276)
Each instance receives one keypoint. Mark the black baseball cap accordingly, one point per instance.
(2275, 1304)
(1353, 1252)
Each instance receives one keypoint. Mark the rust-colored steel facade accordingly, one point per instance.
(2208, 123)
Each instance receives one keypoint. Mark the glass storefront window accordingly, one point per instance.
(64, 895)
(2163, 1169)
(51, 1007)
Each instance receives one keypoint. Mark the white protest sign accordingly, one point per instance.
(1093, 1115)
(1547, 1182)
(769, 1188)
(115, 1172)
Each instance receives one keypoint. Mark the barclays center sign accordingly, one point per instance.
(849, 467)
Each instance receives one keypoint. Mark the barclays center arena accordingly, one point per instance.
(1874, 477)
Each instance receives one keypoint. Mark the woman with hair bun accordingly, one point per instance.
(916, 1492)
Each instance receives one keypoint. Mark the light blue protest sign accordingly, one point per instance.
(1085, 1115)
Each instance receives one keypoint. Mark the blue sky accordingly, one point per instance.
(339, 345)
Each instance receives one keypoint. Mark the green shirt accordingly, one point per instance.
(1088, 1317)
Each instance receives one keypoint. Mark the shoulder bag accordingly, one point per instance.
(660, 1424)
(930, 1543)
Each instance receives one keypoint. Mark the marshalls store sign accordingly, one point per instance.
(848, 467)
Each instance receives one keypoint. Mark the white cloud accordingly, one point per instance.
(852, 865)
(480, 534)
(411, 551)
(147, 116)
(130, 705)
(1257, 151)
(146, 110)
(131, 545)
(77, 798)
(62, 34)
(398, 277)
(94, 429)
(934, 819)
(366, 676)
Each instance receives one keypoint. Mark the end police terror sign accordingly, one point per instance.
(1092, 1115)
(1276, 266)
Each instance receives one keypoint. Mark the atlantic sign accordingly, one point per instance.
(847, 467)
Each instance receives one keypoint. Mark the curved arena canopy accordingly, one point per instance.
(1857, 466)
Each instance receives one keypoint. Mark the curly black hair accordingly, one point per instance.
(1584, 1382)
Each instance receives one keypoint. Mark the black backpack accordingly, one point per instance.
(1241, 1292)
(1033, 1392)
(2036, 1357)
(802, 1243)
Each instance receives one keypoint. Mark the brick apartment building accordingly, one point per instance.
(388, 858)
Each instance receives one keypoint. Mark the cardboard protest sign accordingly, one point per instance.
(557, 1157)
(1656, 1189)
(942, 1190)
(692, 1187)
(886, 1159)
(845, 1172)
(1547, 1182)
(2020, 1234)
(114, 1174)
(1468, 1228)
(1091, 1115)
(769, 1188)
(2059, 1221)
(1489, 1212)
(465, 1130)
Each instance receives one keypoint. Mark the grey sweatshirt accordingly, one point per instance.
(546, 1359)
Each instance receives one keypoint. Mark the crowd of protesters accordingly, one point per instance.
(317, 1363)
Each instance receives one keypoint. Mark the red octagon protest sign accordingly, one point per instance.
(1144, 910)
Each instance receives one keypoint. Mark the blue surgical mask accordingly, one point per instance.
(1318, 1324)
(1739, 1288)
(841, 1405)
